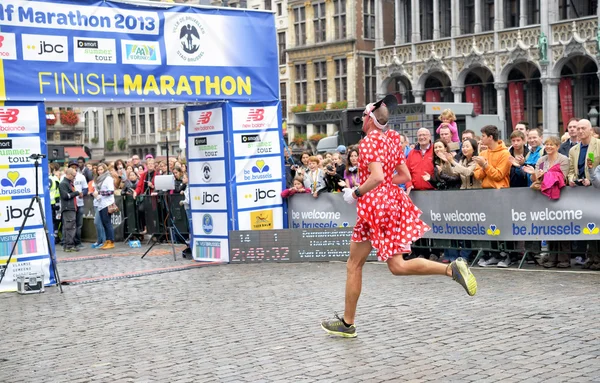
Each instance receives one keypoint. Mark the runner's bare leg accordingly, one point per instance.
(359, 251)
(417, 266)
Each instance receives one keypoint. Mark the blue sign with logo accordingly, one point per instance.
(207, 223)
(110, 51)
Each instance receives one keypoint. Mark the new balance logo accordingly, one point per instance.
(256, 115)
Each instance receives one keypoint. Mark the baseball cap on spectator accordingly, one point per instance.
(149, 156)
(73, 163)
(341, 149)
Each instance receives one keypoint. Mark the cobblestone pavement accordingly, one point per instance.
(237, 323)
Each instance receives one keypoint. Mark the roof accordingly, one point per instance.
(75, 152)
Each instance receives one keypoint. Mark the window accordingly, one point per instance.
(281, 46)
(300, 25)
(319, 22)
(321, 129)
(445, 18)
(133, 126)
(122, 125)
(407, 21)
(268, 5)
(86, 124)
(110, 126)
(369, 19)
(163, 119)
(341, 80)
(283, 99)
(301, 130)
(488, 15)
(370, 80)
(426, 18)
(321, 82)
(300, 84)
(142, 123)
(572, 9)
(132, 110)
(66, 136)
(152, 123)
(173, 118)
(279, 9)
(96, 124)
(467, 17)
(533, 12)
(339, 18)
(142, 110)
(511, 13)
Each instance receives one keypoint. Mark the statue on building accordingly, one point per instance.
(543, 47)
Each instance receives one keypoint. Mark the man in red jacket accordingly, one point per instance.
(146, 183)
(420, 162)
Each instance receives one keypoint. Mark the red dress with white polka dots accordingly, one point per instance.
(386, 216)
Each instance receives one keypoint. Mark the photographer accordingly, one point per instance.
(68, 203)
(333, 181)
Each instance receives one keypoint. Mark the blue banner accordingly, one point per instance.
(92, 51)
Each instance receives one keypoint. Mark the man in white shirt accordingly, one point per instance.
(81, 186)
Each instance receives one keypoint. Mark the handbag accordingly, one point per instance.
(113, 208)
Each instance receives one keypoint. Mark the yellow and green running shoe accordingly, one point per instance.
(337, 327)
(462, 275)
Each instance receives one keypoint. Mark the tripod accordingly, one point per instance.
(162, 199)
(36, 198)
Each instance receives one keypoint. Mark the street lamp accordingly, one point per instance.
(593, 115)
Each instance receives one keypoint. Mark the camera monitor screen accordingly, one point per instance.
(166, 182)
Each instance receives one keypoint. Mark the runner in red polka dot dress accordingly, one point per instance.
(386, 216)
(387, 219)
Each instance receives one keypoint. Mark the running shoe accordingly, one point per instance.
(462, 275)
(336, 327)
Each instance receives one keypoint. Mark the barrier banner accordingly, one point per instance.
(519, 214)
(517, 102)
(565, 92)
(92, 51)
(23, 133)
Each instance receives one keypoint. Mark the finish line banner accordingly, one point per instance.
(67, 50)
(519, 214)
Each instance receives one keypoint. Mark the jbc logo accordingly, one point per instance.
(13, 213)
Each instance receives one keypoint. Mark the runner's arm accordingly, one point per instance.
(376, 177)
(402, 175)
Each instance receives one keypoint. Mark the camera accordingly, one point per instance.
(37, 156)
(330, 168)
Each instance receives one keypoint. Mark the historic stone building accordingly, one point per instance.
(330, 63)
(535, 60)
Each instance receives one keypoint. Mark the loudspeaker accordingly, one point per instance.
(56, 153)
(352, 126)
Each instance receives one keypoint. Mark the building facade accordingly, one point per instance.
(331, 62)
(531, 60)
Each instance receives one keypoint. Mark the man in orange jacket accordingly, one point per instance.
(493, 165)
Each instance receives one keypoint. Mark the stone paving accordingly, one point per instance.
(260, 323)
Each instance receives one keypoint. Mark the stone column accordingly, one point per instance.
(477, 26)
(310, 27)
(310, 83)
(291, 36)
(499, 15)
(523, 12)
(293, 100)
(330, 30)
(550, 105)
(458, 93)
(400, 17)
(501, 105)
(418, 94)
(436, 19)
(379, 42)
(331, 80)
(415, 21)
(351, 76)
(455, 18)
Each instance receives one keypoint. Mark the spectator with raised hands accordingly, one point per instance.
(351, 172)
(442, 179)
(314, 179)
(465, 168)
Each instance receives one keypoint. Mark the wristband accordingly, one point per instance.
(357, 193)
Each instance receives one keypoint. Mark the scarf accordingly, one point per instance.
(100, 179)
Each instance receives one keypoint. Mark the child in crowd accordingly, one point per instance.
(314, 179)
(449, 119)
(297, 187)
(333, 181)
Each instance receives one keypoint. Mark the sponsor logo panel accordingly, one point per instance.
(19, 119)
(140, 52)
(258, 195)
(211, 249)
(209, 224)
(254, 118)
(17, 150)
(8, 46)
(45, 48)
(209, 172)
(13, 212)
(250, 144)
(94, 50)
(201, 121)
(206, 146)
(208, 198)
(258, 169)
